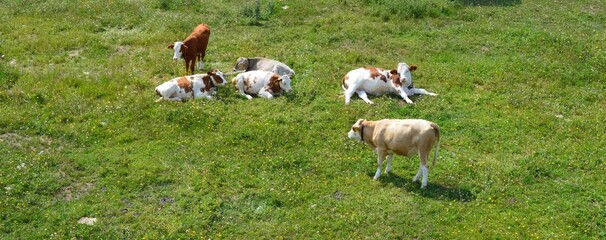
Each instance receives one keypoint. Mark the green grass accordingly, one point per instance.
(521, 106)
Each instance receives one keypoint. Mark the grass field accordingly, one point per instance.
(521, 104)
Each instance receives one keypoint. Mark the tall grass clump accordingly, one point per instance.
(169, 5)
(411, 9)
(8, 77)
(255, 13)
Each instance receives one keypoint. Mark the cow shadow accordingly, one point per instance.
(432, 190)
(489, 2)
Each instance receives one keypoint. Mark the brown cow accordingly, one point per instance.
(192, 47)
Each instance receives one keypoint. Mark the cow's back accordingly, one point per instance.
(362, 78)
(202, 34)
(266, 64)
(403, 136)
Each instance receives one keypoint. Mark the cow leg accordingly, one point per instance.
(423, 168)
(421, 91)
(192, 65)
(388, 168)
(187, 66)
(240, 86)
(203, 95)
(200, 62)
(380, 157)
(363, 96)
(249, 97)
(349, 92)
(404, 96)
(265, 94)
(419, 173)
(175, 99)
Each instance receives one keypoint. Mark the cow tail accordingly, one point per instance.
(436, 130)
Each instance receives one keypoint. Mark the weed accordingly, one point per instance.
(9, 76)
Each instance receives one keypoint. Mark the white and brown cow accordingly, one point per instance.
(262, 83)
(192, 86)
(192, 48)
(378, 81)
(250, 64)
(404, 137)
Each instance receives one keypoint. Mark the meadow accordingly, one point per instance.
(521, 95)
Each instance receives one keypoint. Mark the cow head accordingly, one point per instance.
(284, 81)
(241, 64)
(178, 47)
(356, 130)
(217, 77)
(405, 76)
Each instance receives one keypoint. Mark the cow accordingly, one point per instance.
(262, 83)
(404, 137)
(192, 48)
(192, 86)
(378, 81)
(250, 64)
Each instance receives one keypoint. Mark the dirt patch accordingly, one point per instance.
(39, 144)
(74, 191)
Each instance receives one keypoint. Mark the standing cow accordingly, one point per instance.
(192, 48)
(378, 81)
(193, 86)
(404, 137)
(250, 64)
(262, 83)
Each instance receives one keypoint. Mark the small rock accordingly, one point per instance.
(21, 167)
(165, 200)
(87, 220)
(338, 195)
(285, 7)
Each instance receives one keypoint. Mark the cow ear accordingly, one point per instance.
(355, 129)
(412, 68)
(393, 71)
(210, 73)
(171, 46)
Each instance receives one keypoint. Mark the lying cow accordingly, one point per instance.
(262, 83)
(193, 86)
(251, 64)
(192, 48)
(377, 81)
(403, 137)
